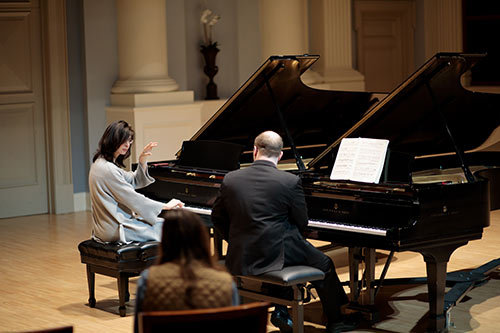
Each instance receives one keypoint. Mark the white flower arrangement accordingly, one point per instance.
(208, 20)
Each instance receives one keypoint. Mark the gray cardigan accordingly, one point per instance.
(119, 213)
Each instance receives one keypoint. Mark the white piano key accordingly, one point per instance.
(312, 223)
(199, 210)
(346, 227)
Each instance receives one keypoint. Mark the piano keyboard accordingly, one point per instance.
(198, 210)
(312, 223)
(346, 227)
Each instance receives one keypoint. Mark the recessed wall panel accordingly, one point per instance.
(15, 52)
(17, 144)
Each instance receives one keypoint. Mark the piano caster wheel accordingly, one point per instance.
(92, 302)
(369, 312)
(122, 311)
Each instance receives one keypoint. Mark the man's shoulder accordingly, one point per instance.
(286, 175)
(235, 174)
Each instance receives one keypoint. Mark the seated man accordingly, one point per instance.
(261, 211)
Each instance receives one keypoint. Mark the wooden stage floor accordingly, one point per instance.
(43, 284)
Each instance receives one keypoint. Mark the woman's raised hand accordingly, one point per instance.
(146, 152)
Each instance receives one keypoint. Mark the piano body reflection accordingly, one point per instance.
(431, 122)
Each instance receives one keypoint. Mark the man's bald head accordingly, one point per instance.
(269, 144)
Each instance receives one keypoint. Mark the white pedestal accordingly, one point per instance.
(167, 118)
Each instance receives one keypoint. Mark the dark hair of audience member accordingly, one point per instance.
(185, 240)
(114, 136)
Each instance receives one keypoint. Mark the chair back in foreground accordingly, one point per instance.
(245, 318)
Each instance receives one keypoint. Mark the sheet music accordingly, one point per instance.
(360, 159)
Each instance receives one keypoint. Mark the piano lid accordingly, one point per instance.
(410, 116)
(314, 118)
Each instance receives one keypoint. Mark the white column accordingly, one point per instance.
(144, 95)
(443, 26)
(331, 38)
(284, 27)
(284, 30)
(142, 47)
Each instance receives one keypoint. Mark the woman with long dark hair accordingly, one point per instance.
(119, 213)
(187, 275)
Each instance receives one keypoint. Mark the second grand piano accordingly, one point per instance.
(432, 123)
(429, 200)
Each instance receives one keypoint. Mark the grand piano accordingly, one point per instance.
(433, 196)
(316, 119)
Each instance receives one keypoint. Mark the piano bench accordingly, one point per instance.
(295, 277)
(121, 261)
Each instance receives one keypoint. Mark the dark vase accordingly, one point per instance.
(209, 53)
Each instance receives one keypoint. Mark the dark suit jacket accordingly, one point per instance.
(257, 208)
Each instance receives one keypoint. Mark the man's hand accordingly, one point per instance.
(146, 152)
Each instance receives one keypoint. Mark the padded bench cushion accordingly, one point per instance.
(122, 257)
(288, 276)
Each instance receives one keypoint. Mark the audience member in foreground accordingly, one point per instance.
(186, 276)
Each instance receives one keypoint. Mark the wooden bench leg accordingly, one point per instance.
(91, 284)
(298, 310)
(122, 293)
(127, 293)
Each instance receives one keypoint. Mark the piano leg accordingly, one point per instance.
(369, 294)
(362, 288)
(436, 260)
(355, 288)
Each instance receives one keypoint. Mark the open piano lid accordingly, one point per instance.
(411, 116)
(314, 118)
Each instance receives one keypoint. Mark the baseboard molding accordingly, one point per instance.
(81, 201)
